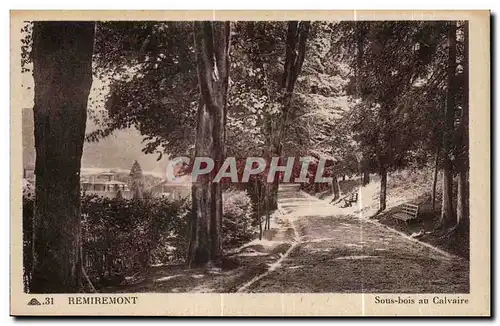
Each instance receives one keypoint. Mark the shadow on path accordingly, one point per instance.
(341, 253)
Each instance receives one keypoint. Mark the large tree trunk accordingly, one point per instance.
(447, 206)
(383, 189)
(296, 41)
(62, 72)
(463, 164)
(212, 57)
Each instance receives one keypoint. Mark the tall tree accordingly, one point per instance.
(448, 130)
(62, 72)
(136, 180)
(361, 31)
(435, 177)
(212, 40)
(463, 135)
(142, 65)
(395, 63)
(296, 41)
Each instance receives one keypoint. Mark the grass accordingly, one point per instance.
(407, 186)
(415, 186)
(238, 267)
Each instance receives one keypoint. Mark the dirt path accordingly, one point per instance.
(334, 252)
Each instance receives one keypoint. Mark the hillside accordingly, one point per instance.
(407, 186)
(118, 151)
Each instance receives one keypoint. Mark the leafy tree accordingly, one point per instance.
(258, 49)
(371, 95)
(295, 52)
(321, 127)
(150, 74)
(395, 58)
(136, 180)
(447, 213)
(212, 61)
(463, 132)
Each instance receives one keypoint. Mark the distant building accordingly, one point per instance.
(172, 190)
(102, 183)
(29, 172)
(105, 185)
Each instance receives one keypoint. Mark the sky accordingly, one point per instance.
(117, 151)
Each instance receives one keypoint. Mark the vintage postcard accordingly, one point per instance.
(250, 163)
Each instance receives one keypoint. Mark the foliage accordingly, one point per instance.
(369, 91)
(151, 77)
(122, 236)
(137, 180)
(237, 224)
(128, 235)
(394, 67)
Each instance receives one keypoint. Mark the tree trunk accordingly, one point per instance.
(267, 209)
(258, 191)
(463, 164)
(365, 170)
(316, 187)
(447, 206)
(434, 182)
(260, 222)
(366, 178)
(336, 188)
(462, 197)
(383, 189)
(62, 73)
(273, 195)
(447, 201)
(296, 40)
(212, 58)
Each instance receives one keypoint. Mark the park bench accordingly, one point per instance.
(350, 199)
(407, 212)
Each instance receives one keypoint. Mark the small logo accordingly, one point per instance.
(34, 302)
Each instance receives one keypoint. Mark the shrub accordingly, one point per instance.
(237, 221)
(123, 235)
(120, 236)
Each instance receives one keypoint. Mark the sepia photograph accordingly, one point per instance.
(247, 156)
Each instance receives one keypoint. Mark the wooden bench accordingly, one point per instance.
(407, 212)
(350, 199)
